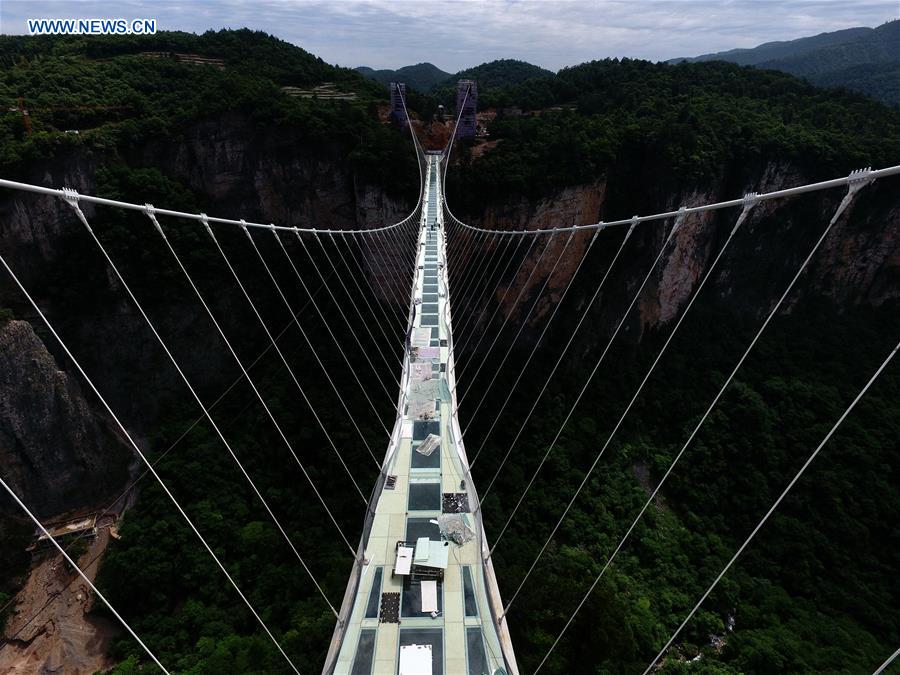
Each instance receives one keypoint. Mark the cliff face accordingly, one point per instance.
(238, 170)
(271, 175)
(57, 449)
(55, 452)
(858, 263)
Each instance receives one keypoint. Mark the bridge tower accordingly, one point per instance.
(466, 107)
(398, 107)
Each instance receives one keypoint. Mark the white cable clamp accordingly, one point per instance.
(679, 220)
(634, 223)
(71, 196)
(749, 200)
(205, 220)
(150, 210)
(859, 178)
(245, 229)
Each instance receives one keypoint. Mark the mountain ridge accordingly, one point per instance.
(428, 78)
(421, 76)
(862, 59)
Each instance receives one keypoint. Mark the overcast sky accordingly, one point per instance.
(454, 34)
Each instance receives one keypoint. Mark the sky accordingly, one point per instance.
(456, 34)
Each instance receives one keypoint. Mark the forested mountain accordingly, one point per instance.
(423, 77)
(426, 78)
(502, 73)
(687, 119)
(610, 138)
(114, 94)
(783, 49)
(817, 592)
(861, 59)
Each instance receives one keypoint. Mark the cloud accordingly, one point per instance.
(462, 33)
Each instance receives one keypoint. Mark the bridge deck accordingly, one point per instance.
(382, 615)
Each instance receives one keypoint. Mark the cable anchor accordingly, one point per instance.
(150, 210)
(72, 198)
(859, 178)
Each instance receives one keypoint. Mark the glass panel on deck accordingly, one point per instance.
(411, 602)
(421, 527)
(421, 429)
(469, 592)
(365, 651)
(424, 497)
(478, 664)
(426, 636)
(374, 595)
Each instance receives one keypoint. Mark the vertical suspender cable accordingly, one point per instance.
(340, 309)
(707, 275)
(334, 338)
(771, 510)
(265, 406)
(853, 188)
(590, 377)
(559, 360)
(71, 197)
(518, 334)
(534, 349)
(82, 575)
(887, 662)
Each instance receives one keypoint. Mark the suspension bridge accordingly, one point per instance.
(422, 596)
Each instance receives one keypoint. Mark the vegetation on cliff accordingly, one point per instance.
(113, 94)
(866, 60)
(816, 592)
(681, 124)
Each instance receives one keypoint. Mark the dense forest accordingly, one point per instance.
(866, 60)
(120, 92)
(818, 591)
(687, 121)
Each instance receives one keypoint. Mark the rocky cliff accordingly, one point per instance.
(232, 169)
(56, 452)
(57, 449)
(858, 263)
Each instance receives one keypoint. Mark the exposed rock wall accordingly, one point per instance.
(858, 263)
(56, 453)
(238, 170)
